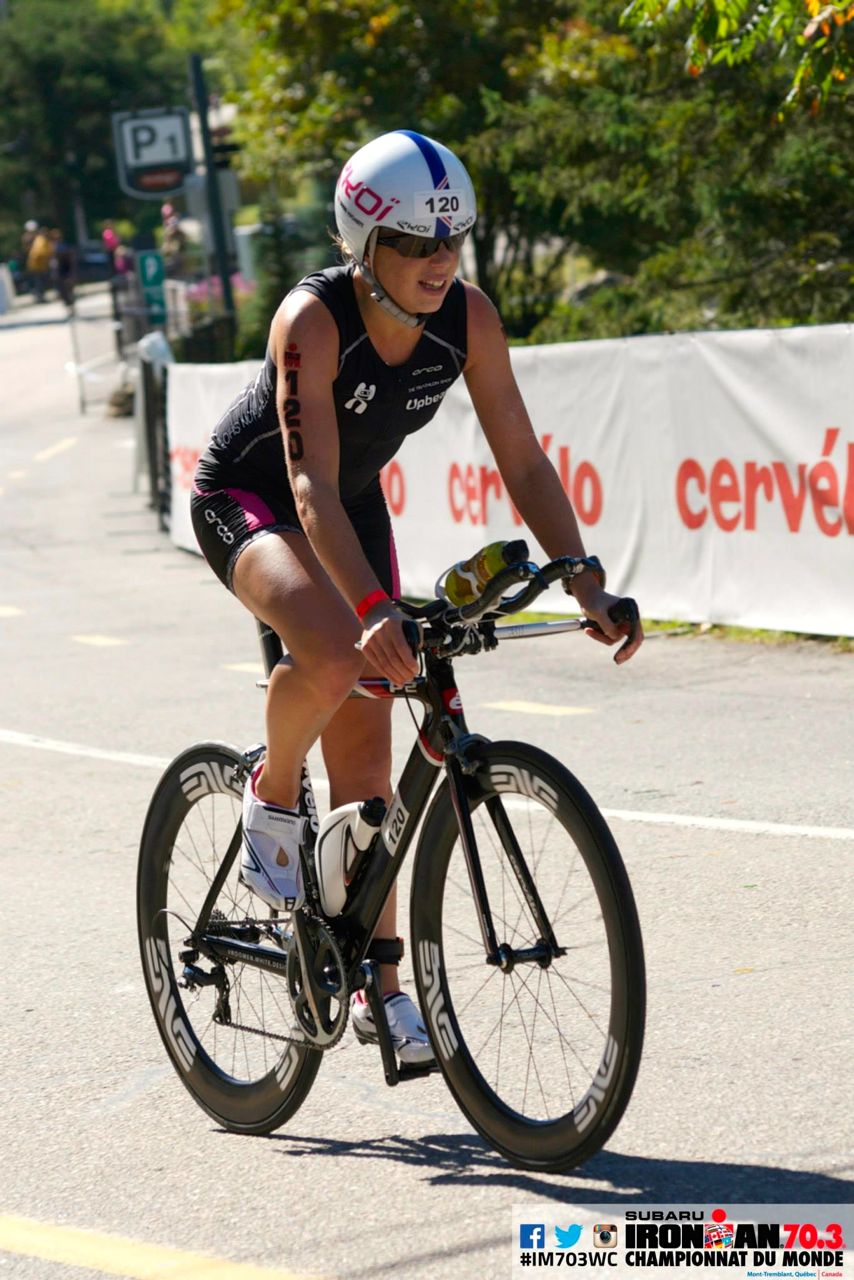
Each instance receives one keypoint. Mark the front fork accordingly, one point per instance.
(458, 765)
(460, 801)
(465, 758)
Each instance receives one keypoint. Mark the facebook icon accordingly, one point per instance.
(532, 1235)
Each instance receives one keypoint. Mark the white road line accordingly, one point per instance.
(732, 824)
(54, 449)
(743, 825)
(10, 611)
(12, 738)
(539, 708)
(99, 642)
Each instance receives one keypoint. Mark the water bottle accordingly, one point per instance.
(343, 840)
(466, 580)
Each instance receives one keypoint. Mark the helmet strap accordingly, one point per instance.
(379, 294)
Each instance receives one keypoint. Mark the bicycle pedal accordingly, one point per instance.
(411, 1071)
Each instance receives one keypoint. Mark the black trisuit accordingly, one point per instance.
(242, 489)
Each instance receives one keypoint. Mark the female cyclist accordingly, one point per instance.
(289, 512)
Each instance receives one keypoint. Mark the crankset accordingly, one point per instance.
(317, 981)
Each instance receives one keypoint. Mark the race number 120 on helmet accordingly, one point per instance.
(402, 182)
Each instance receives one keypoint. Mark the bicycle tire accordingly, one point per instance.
(605, 1050)
(202, 788)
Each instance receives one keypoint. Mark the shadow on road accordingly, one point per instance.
(465, 1160)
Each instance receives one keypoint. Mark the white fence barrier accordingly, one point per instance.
(7, 289)
(713, 474)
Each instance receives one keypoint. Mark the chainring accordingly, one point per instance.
(329, 976)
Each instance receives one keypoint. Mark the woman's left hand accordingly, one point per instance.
(617, 618)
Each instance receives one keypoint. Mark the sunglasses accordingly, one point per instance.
(422, 246)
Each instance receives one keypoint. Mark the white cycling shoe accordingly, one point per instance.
(269, 862)
(408, 1032)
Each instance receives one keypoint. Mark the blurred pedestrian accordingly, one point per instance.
(174, 242)
(38, 262)
(110, 238)
(28, 235)
(123, 261)
(63, 268)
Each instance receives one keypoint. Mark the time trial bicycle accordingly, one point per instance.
(525, 938)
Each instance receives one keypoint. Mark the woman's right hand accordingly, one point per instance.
(384, 644)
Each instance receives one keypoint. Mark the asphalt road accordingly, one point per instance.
(728, 767)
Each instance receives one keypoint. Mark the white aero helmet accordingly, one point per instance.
(406, 183)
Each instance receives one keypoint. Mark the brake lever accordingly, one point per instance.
(412, 636)
(625, 610)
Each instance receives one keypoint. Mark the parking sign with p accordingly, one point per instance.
(153, 151)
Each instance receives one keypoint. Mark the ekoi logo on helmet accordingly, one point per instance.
(363, 197)
(406, 182)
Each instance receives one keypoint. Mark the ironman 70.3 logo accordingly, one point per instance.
(685, 1237)
(752, 1242)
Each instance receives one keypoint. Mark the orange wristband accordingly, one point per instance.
(364, 606)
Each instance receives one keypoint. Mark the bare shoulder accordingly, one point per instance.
(481, 312)
(303, 324)
(485, 332)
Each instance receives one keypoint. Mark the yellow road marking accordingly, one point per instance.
(54, 449)
(18, 475)
(539, 709)
(10, 610)
(117, 1256)
(750, 970)
(253, 668)
(101, 641)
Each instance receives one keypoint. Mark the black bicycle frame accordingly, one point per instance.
(443, 741)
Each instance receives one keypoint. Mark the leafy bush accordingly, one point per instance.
(287, 247)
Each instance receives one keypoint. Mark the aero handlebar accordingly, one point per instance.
(442, 616)
(538, 580)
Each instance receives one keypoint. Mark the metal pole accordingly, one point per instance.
(200, 94)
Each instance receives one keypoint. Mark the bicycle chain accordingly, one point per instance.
(268, 1035)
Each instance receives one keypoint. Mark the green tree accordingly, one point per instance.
(700, 204)
(322, 77)
(63, 70)
(586, 140)
(820, 33)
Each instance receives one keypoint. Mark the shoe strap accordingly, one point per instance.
(385, 950)
(269, 821)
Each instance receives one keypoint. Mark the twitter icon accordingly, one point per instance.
(566, 1239)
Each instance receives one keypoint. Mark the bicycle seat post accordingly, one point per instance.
(271, 647)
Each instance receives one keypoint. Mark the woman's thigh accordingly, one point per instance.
(280, 580)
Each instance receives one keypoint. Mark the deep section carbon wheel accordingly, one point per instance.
(541, 1049)
(228, 1027)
